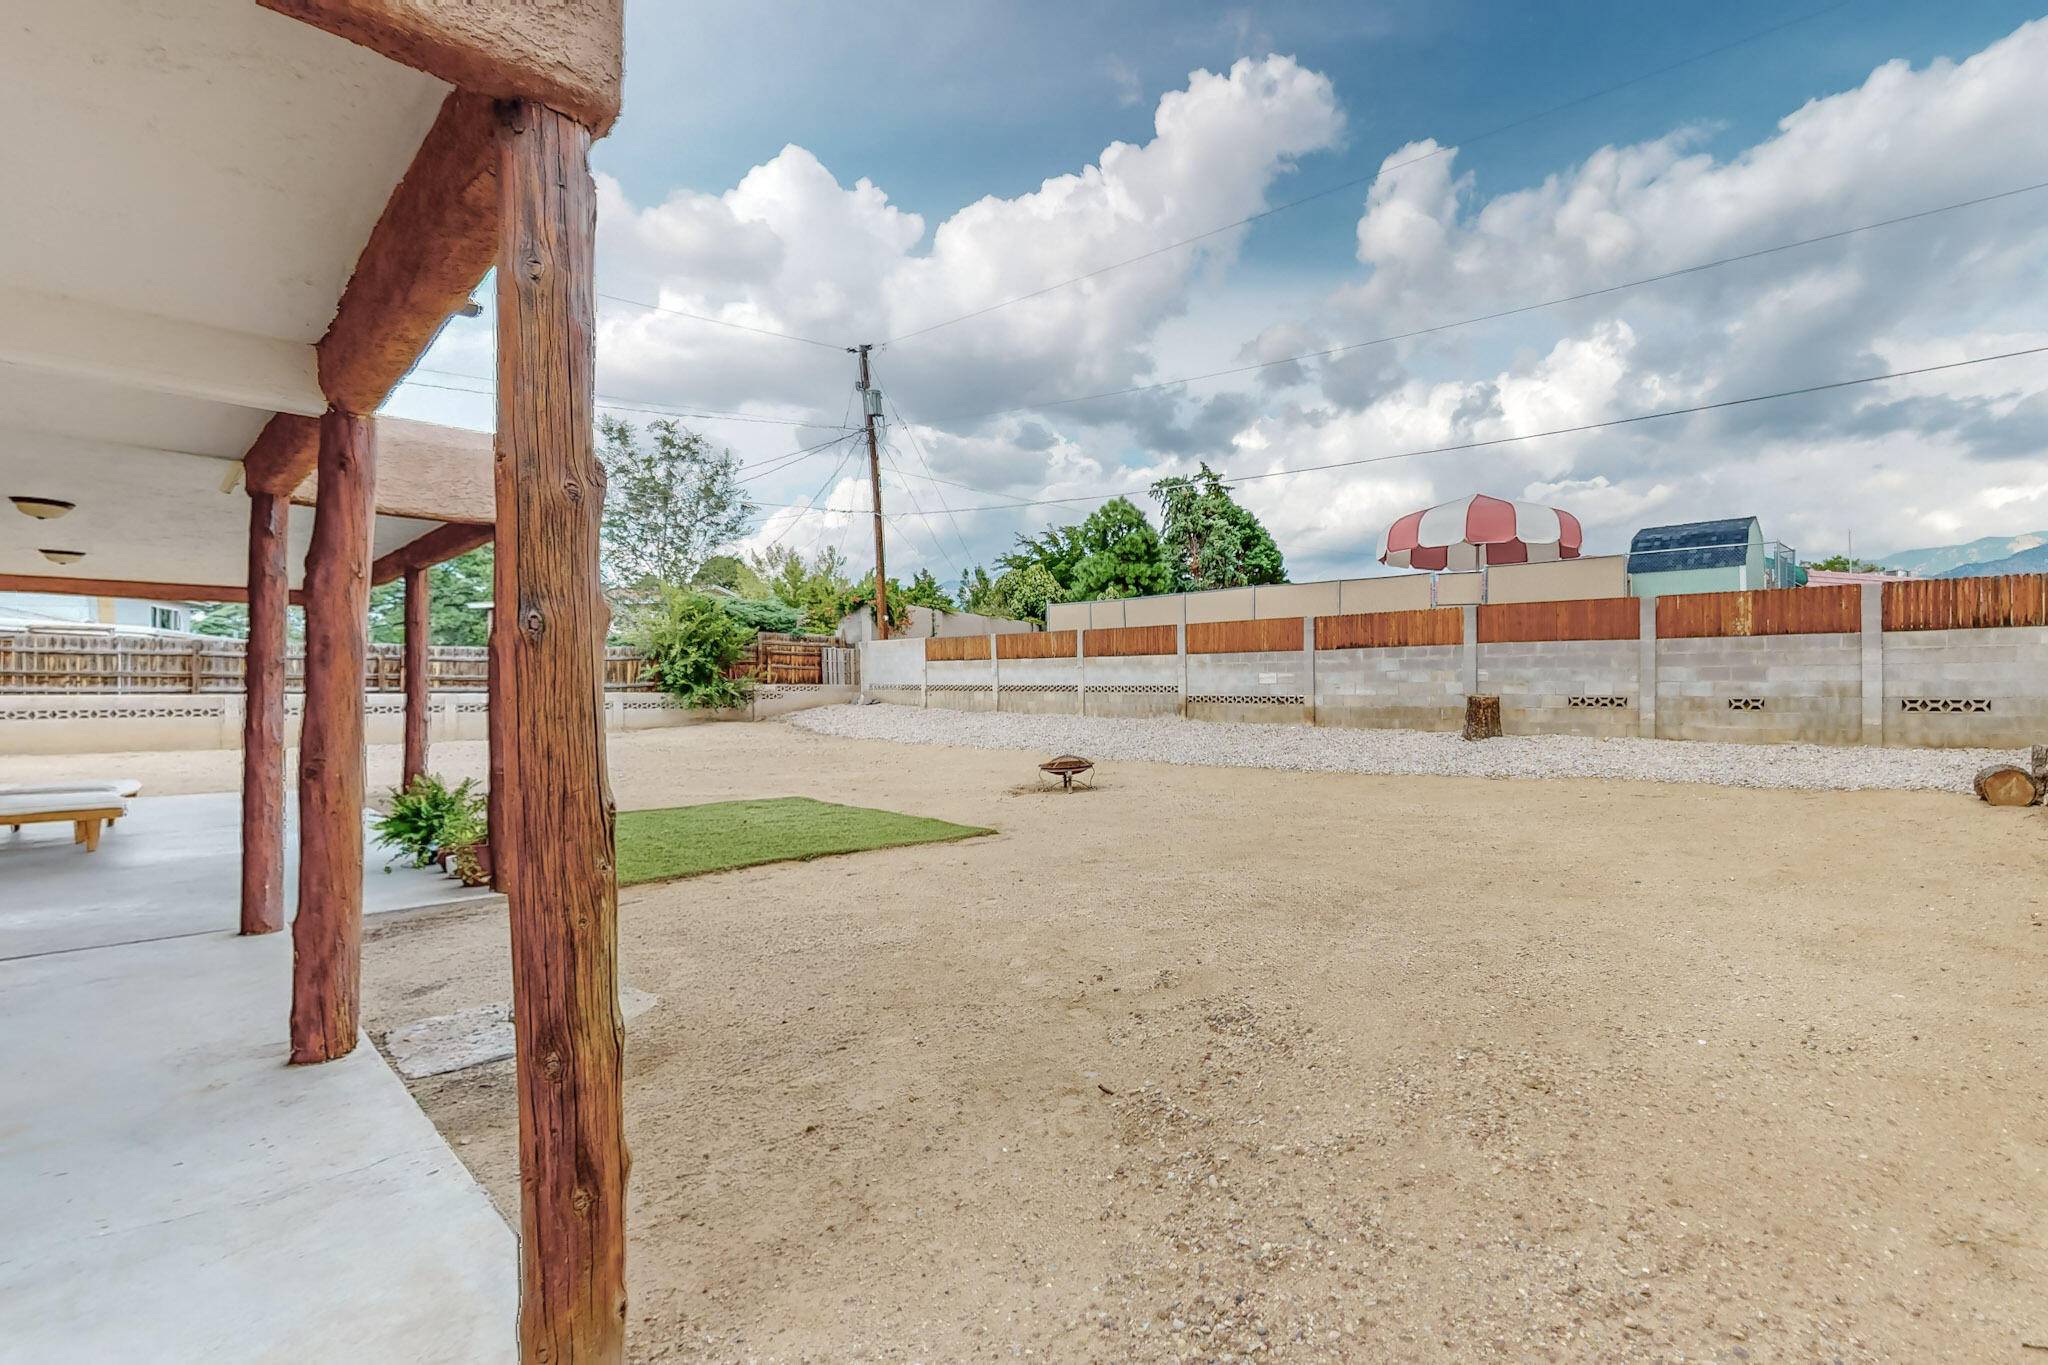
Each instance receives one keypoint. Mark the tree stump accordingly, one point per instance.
(2005, 784)
(1482, 717)
(2039, 761)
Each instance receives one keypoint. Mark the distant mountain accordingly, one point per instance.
(1936, 562)
(2026, 561)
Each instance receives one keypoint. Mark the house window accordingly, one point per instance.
(166, 618)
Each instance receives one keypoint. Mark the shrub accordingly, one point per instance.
(772, 614)
(424, 815)
(690, 643)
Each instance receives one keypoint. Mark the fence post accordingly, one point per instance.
(1080, 670)
(1646, 668)
(1873, 663)
(924, 677)
(198, 669)
(995, 675)
(1180, 647)
(1469, 656)
(1308, 660)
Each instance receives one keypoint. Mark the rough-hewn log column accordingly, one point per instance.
(263, 718)
(552, 840)
(327, 935)
(418, 696)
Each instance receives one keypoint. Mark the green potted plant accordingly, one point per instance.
(418, 815)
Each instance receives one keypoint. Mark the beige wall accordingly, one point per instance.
(1562, 580)
(1155, 611)
(1105, 615)
(1402, 592)
(1295, 599)
(1460, 589)
(1227, 604)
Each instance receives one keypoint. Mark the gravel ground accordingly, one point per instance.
(1296, 748)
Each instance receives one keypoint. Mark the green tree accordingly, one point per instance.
(977, 590)
(1056, 550)
(1844, 564)
(734, 575)
(1024, 594)
(691, 644)
(668, 505)
(817, 588)
(1124, 559)
(454, 588)
(924, 591)
(1212, 541)
(230, 620)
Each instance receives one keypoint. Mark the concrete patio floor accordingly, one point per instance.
(171, 866)
(172, 1190)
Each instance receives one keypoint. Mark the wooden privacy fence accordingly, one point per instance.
(1123, 642)
(34, 661)
(1391, 629)
(1050, 644)
(1244, 637)
(1600, 618)
(798, 660)
(1967, 603)
(1761, 611)
(956, 648)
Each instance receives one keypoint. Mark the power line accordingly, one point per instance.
(1499, 314)
(1555, 431)
(723, 322)
(917, 446)
(1356, 181)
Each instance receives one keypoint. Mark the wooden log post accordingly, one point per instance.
(2007, 784)
(1482, 718)
(418, 686)
(263, 717)
(552, 843)
(327, 934)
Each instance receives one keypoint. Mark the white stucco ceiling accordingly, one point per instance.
(190, 184)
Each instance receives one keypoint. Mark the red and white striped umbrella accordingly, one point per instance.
(1477, 531)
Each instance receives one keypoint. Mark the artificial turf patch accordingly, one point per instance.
(687, 841)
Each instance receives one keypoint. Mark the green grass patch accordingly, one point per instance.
(687, 841)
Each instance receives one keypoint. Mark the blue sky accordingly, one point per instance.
(939, 110)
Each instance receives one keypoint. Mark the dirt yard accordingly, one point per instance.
(1215, 1064)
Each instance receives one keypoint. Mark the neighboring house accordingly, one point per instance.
(1709, 556)
(55, 611)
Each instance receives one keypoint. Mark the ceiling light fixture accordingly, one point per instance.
(42, 509)
(63, 556)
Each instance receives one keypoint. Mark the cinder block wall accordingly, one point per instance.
(1419, 687)
(1761, 689)
(1936, 681)
(1563, 687)
(1041, 687)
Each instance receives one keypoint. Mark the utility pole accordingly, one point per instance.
(871, 405)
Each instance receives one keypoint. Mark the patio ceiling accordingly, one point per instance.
(194, 183)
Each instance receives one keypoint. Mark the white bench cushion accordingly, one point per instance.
(59, 803)
(126, 786)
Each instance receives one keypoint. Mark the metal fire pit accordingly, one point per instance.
(1066, 768)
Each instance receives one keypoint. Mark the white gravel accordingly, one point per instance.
(1300, 748)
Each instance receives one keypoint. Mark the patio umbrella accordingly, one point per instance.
(1474, 532)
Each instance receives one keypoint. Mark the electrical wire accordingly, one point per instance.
(1499, 314)
(1356, 181)
(1555, 431)
(916, 445)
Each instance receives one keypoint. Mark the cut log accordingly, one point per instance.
(2004, 784)
(2039, 761)
(1482, 717)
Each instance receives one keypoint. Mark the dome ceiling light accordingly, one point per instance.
(42, 509)
(63, 556)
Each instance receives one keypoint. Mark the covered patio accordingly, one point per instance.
(240, 224)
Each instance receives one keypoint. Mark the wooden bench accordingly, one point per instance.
(87, 811)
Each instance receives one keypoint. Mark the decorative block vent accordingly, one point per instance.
(1598, 703)
(1745, 703)
(1127, 689)
(895, 687)
(155, 712)
(650, 704)
(1043, 687)
(1260, 699)
(472, 708)
(1945, 705)
(958, 687)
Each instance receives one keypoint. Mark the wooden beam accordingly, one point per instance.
(121, 587)
(565, 54)
(327, 933)
(418, 696)
(440, 544)
(284, 454)
(429, 250)
(553, 839)
(426, 472)
(263, 719)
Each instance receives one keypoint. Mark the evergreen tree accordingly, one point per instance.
(1124, 555)
(1212, 541)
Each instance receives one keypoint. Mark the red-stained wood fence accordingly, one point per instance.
(1770, 611)
(1244, 637)
(1967, 603)
(1391, 629)
(1115, 642)
(1599, 618)
(955, 648)
(1045, 644)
